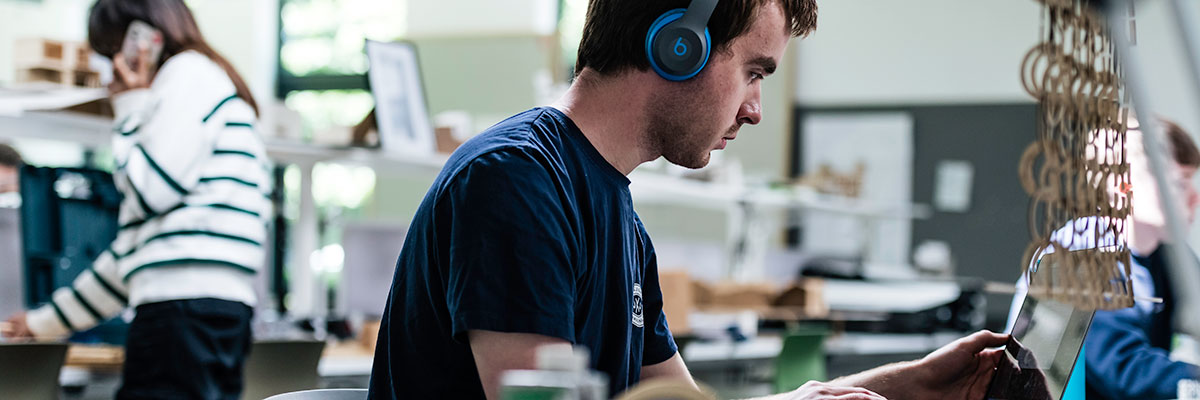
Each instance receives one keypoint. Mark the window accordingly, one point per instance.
(571, 15)
(321, 76)
(322, 65)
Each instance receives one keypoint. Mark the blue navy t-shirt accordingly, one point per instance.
(527, 229)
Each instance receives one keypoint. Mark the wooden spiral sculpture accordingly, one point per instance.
(1073, 170)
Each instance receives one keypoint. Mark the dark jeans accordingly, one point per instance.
(186, 349)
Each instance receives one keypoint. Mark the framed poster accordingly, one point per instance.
(883, 143)
(400, 109)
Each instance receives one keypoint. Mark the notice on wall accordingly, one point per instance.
(952, 186)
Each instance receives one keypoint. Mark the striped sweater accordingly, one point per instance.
(195, 180)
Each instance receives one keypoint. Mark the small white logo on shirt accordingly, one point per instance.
(637, 305)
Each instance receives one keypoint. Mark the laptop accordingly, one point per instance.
(1045, 343)
(30, 370)
(281, 366)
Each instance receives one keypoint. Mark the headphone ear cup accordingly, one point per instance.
(676, 52)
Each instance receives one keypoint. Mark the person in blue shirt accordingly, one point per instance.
(1127, 351)
(528, 236)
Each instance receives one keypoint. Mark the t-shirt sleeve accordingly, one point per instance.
(658, 344)
(508, 236)
(1122, 363)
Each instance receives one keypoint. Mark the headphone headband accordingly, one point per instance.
(697, 14)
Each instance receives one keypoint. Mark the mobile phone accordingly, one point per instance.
(141, 35)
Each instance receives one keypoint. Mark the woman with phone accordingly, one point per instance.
(195, 180)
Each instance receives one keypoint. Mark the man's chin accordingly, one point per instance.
(691, 162)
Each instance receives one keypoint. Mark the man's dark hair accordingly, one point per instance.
(9, 156)
(614, 34)
(1183, 149)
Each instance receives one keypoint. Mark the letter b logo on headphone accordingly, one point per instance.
(680, 47)
(675, 59)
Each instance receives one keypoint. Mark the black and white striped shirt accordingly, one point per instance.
(196, 182)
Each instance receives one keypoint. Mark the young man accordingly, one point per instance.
(528, 236)
(1127, 351)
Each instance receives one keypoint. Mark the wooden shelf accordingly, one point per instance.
(654, 188)
(646, 187)
(95, 131)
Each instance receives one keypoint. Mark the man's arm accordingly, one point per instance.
(496, 352)
(1128, 366)
(960, 370)
(673, 369)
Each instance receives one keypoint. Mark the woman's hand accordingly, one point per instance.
(127, 77)
(16, 328)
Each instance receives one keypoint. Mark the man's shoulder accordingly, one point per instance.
(515, 147)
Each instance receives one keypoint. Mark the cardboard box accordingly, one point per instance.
(56, 61)
(802, 299)
(369, 334)
(806, 298)
(678, 299)
(734, 295)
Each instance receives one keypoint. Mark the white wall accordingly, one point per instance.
(948, 51)
(245, 32)
(1160, 45)
(915, 51)
(473, 17)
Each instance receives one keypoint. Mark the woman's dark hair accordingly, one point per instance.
(110, 19)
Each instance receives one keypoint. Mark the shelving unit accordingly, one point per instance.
(38, 115)
(752, 213)
(34, 117)
(663, 189)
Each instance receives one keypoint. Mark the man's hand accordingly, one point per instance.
(16, 328)
(960, 370)
(814, 390)
(1013, 382)
(127, 76)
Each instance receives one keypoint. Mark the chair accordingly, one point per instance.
(282, 366)
(801, 359)
(323, 394)
(30, 370)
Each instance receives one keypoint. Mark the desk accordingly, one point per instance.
(345, 359)
(701, 354)
(88, 363)
(95, 357)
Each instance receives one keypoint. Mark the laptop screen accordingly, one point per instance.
(1045, 343)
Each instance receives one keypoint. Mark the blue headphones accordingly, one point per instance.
(677, 43)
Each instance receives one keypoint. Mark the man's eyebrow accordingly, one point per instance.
(766, 63)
